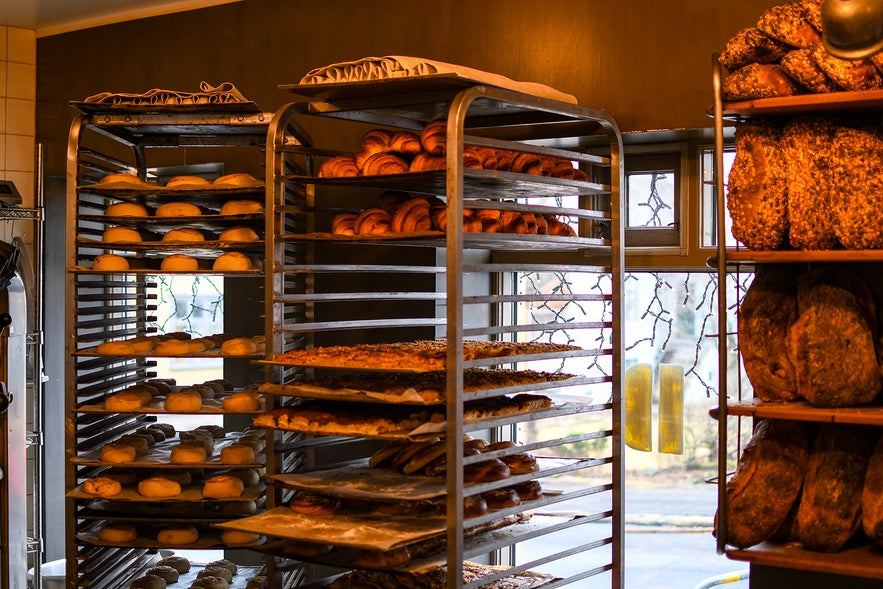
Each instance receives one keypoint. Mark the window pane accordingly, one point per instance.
(651, 199)
(709, 199)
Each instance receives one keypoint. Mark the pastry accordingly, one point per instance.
(344, 224)
(178, 535)
(528, 490)
(501, 498)
(117, 453)
(179, 563)
(102, 486)
(787, 23)
(391, 200)
(232, 261)
(169, 574)
(384, 163)
(433, 137)
(177, 209)
(184, 234)
(239, 537)
(187, 180)
(237, 179)
(486, 471)
(426, 162)
(223, 487)
(471, 158)
(241, 207)
(110, 263)
(527, 163)
(159, 488)
(412, 216)
(340, 166)
(504, 158)
(405, 143)
(183, 402)
(117, 533)
(803, 67)
(179, 263)
(848, 74)
(856, 187)
(372, 221)
(374, 142)
(148, 581)
(187, 453)
(124, 401)
(487, 156)
(121, 234)
(225, 564)
(210, 582)
(759, 80)
(309, 504)
(237, 454)
(751, 45)
(126, 209)
(239, 234)
(241, 401)
(239, 346)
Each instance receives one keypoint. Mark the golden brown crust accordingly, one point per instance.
(373, 142)
(471, 158)
(857, 187)
(527, 163)
(872, 496)
(788, 23)
(372, 221)
(800, 65)
(767, 481)
(848, 74)
(434, 137)
(344, 224)
(381, 164)
(340, 166)
(426, 162)
(751, 45)
(759, 80)
(405, 143)
(412, 216)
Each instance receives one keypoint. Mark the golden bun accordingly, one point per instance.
(184, 402)
(186, 180)
(175, 535)
(187, 234)
(110, 263)
(188, 453)
(239, 346)
(232, 261)
(179, 263)
(122, 178)
(241, 401)
(121, 234)
(117, 533)
(159, 488)
(238, 454)
(177, 209)
(239, 234)
(223, 486)
(117, 453)
(115, 347)
(172, 347)
(241, 207)
(124, 401)
(126, 209)
(237, 179)
(236, 537)
(102, 486)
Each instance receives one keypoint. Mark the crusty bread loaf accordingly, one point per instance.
(803, 67)
(788, 23)
(751, 45)
(872, 496)
(857, 187)
(767, 481)
(848, 74)
(759, 80)
(830, 504)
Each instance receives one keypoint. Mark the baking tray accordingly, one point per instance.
(209, 407)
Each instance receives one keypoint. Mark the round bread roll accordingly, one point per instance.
(239, 234)
(117, 533)
(120, 234)
(159, 488)
(260, 581)
(202, 391)
(232, 261)
(237, 179)
(241, 207)
(162, 386)
(241, 401)
(110, 263)
(237, 537)
(238, 454)
(183, 402)
(177, 209)
(185, 234)
(126, 209)
(102, 487)
(210, 582)
(187, 453)
(248, 476)
(179, 563)
(117, 453)
(224, 564)
(179, 263)
(186, 180)
(124, 401)
(148, 581)
(154, 434)
(238, 346)
(216, 431)
(115, 348)
(168, 574)
(216, 571)
(122, 178)
(178, 535)
(223, 486)
(167, 428)
(141, 445)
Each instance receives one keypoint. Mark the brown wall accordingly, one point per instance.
(647, 62)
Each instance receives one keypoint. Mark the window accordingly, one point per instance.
(652, 200)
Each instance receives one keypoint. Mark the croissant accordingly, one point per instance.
(471, 158)
(424, 162)
(542, 224)
(384, 163)
(471, 222)
(488, 157)
(527, 163)
(531, 221)
(405, 143)
(412, 216)
(372, 221)
(504, 159)
(513, 222)
(563, 169)
(548, 164)
(434, 137)
(391, 200)
(558, 227)
(374, 141)
(343, 224)
(340, 166)
(439, 217)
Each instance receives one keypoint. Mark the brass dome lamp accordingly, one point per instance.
(852, 29)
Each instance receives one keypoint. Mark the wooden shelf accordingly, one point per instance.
(862, 561)
(802, 411)
(782, 105)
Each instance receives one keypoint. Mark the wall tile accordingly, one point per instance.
(20, 116)
(3, 76)
(21, 45)
(19, 153)
(3, 34)
(2, 152)
(2, 118)
(21, 80)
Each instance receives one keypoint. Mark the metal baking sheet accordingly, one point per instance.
(500, 241)
(157, 406)
(124, 189)
(210, 222)
(382, 533)
(246, 106)
(159, 456)
(189, 494)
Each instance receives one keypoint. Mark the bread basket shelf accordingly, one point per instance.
(861, 561)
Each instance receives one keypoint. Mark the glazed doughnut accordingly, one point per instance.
(232, 261)
(121, 234)
(122, 178)
(381, 164)
(178, 535)
(375, 141)
(238, 454)
(110, 263)
(168, 574)
(241, 401)
(117, 533)
(501, 498)
(486, 471)
(177, 209)
(183, 402)
(159, 488)
(184, 234)
(239, 234)
(126, 209)
(117, 453)
(340, 166)
(179, 563)
(372, 221)
(405, 143)
(186, 180)
(434, 137)
(238, 346)
(102, 486)
(342, 224)
(179, 263)
(148, 581)
(314, 505)
(241, 207)
(237, 537)
(187, 453)
(237, 179)
(412, 216)
(424, 162)
(223, 486)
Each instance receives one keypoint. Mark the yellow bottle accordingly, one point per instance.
(639, 407)
(671, 408)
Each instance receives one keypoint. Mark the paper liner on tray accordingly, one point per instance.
(160, 456)
(189, 493)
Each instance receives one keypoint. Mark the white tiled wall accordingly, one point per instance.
(18, 88)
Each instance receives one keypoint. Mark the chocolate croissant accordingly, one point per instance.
(340, 166)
